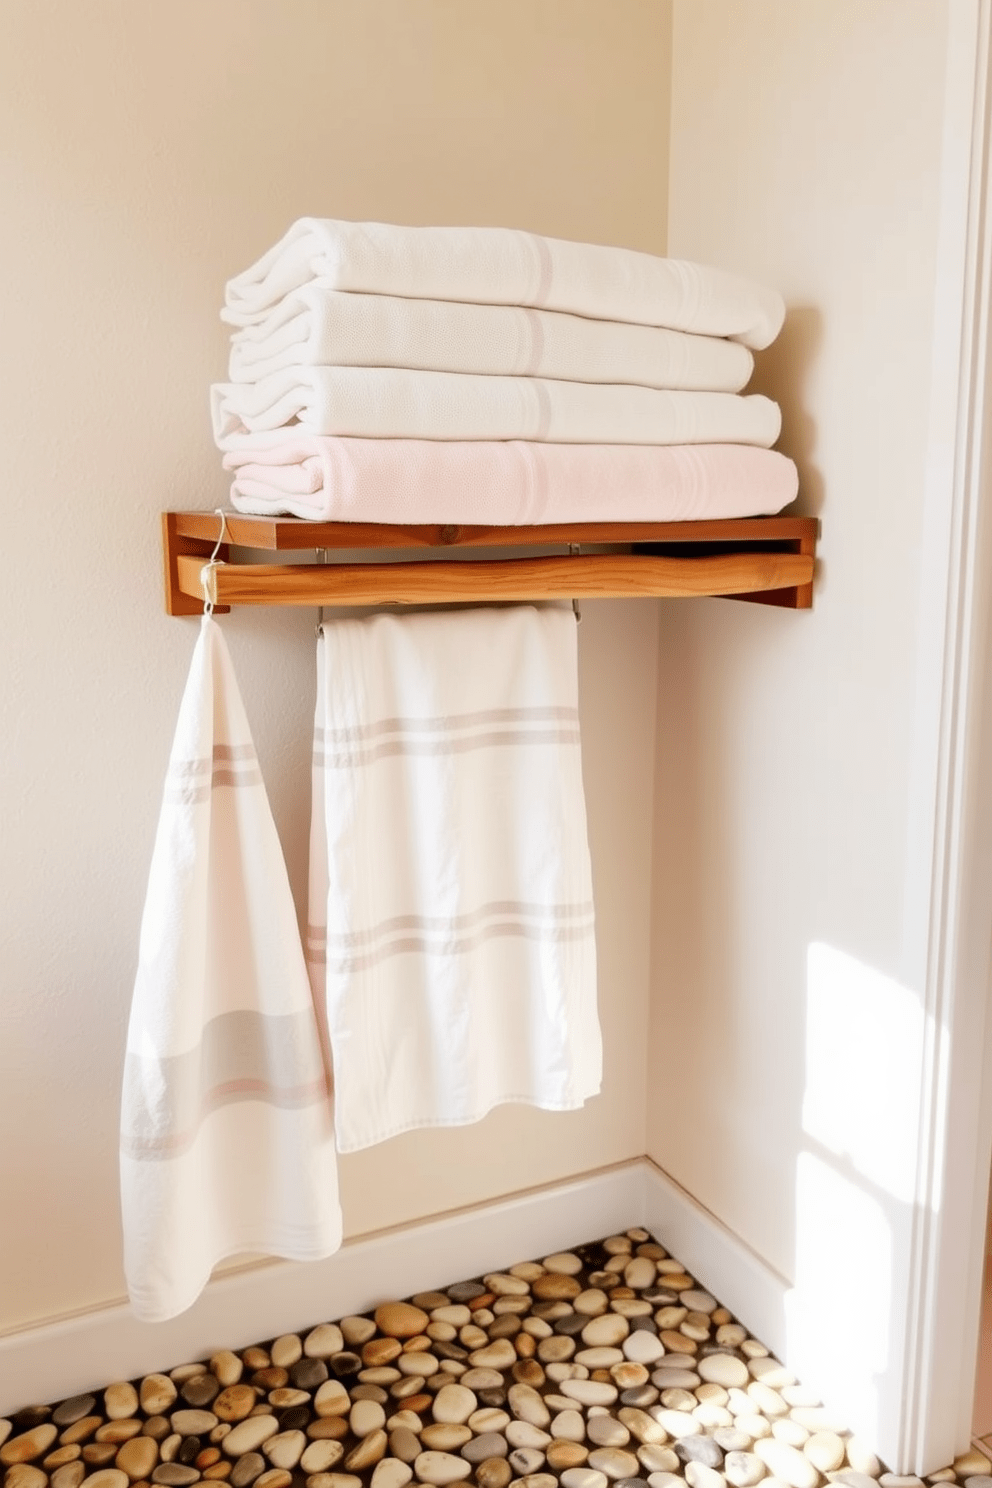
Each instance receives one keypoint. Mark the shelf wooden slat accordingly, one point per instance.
(584, 576)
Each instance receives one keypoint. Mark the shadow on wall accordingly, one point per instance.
(782, 372)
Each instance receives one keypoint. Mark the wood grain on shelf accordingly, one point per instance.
(583, 576)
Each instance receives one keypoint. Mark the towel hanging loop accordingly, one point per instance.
(208, 573)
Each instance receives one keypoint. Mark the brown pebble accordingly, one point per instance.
(379, 1351)
(528, 1372)
(525, 1345)
(418, 1403)
(69, 1476)
(676, 1281)
(494, 1472)
(403, 1443)
(328, 1428)
(276, 1477)
(256, 1358)
(429, 1300)
(272, 1378)
(555, 1286)
(157, 1427)
(24, 1475)
(227, 1367)
(29, 1446)
(98, 1454)
(370, 1450)
(400, 1319)
(120, 1400)
(138, 1457)
(235, 1403)
(206, 1458)
(565, 1454)
(61, 1456)
(719, 1316)
(218, 1471)
(677, 1343)
(119, 1431)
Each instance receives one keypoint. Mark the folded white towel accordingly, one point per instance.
(503, 266)
(394, 403)
(450, 886)
(227, 1141)
(318, 326)
(508, 482)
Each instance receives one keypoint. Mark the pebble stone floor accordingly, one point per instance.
(603, 1367)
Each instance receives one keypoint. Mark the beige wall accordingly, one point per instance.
(146, 153)
(786, 1029)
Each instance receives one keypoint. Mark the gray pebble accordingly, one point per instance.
(308, 1374)
(489, 1444)
(175, 1475)
(200, 1390)
(640, 1396)
(700, 1449)
(71, 1411)
(464, 1291)
(247, 1469)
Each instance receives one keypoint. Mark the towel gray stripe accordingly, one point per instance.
(424, 747)
(535, 326)
(447, 924)
(545, 269)
(444, 723)
(241, 1056)
(453, 946)
(543, 410)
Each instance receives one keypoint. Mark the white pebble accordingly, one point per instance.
(642, 1347)
(583, 1477)
(787, 1463)
(723, 1369)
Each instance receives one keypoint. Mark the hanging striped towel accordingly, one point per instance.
(450, 886)
(227, 1141)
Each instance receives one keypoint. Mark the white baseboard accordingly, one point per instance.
(68, 1356)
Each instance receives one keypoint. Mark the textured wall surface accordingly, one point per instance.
(147, 153)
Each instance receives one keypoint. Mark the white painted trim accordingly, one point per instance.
(75, 1354)
(949, 866)
(734, 1273)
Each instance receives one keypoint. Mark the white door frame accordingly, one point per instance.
(949, 852)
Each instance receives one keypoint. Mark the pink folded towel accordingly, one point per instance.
(511, 483)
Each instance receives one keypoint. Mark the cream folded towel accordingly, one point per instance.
(503, 266)
(450, 886)
(319, 326)
(511, 482)
(227, 1140)
(394, 403)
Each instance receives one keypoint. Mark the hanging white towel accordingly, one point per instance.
(397, 403)
(503, 266)
(227, 1140)
(450, 885)
(318, 326)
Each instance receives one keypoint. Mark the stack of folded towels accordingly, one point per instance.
(382, 373)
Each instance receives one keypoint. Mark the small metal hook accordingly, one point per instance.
(321, 556)
(573, 550)
(208, 573)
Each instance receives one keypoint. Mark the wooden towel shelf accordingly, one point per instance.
(765, 559)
